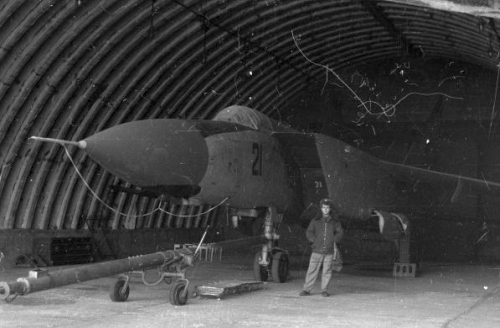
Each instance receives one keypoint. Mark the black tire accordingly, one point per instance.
(260, 272)
(176, 292)
(280, 267)
(117, 293)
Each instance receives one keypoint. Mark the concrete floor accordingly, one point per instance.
(442, 296)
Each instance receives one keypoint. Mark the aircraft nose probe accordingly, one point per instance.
(80, 144)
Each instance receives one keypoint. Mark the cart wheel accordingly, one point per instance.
(280, 267)
(259, 272)
(176, 292)
(117, 293)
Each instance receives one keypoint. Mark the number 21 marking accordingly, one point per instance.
(257, 159)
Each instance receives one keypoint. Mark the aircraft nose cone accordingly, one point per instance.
(151, 153)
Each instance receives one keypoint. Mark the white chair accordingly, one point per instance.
(212, 251)
(203, 248)
(207, 251)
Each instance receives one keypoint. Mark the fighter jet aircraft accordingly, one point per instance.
(259, 166)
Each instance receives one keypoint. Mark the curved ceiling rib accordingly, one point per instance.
(72, 68)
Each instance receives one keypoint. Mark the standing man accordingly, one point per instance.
(323, 232)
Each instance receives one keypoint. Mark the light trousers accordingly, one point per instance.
(314, 268)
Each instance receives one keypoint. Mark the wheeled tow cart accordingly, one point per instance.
(170, 264)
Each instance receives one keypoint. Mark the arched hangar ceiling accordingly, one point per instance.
(70, 68)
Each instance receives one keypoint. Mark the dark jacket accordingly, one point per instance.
(323, 232)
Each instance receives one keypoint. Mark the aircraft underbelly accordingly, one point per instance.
(248, 168)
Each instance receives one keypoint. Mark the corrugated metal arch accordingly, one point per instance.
(71, 68)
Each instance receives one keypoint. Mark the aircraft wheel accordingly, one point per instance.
(280, 267)
(117, 293)
(176, 297)
(259, 272)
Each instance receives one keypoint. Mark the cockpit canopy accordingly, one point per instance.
(252, 119)
(245, 116)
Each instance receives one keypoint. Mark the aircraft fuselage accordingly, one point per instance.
(203, 161)
(246, 164)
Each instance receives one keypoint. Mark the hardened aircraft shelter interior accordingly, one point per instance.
(410, 82)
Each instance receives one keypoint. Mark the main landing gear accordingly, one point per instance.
(396, 227)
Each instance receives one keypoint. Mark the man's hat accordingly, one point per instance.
(326, 201)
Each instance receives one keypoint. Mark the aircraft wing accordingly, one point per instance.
(427, 175)
(302, 147)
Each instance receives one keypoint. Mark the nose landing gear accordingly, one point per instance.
(277, 267)
(271, 260)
